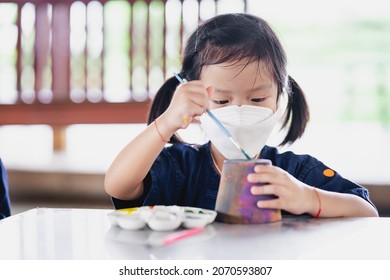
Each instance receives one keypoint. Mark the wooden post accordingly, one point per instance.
(60, 51)
(59, 139)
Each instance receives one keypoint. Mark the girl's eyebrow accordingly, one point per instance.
(261, 87)
(258, 88)
(222, 90)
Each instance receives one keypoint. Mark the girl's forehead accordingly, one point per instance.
(257, 71)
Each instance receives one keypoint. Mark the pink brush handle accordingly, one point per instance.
(181, 234)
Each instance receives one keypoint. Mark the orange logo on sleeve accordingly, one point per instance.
(328, 172)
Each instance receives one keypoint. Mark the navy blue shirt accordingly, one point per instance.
(5, 210)
(184, 175)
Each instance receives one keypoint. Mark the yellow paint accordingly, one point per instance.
(128, 210)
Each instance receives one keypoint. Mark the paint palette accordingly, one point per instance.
(161, 218)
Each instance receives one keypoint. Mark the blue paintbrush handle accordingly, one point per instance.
(224, 130)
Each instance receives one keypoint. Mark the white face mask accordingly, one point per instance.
(249, 125)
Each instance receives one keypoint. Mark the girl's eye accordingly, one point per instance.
(257, 100)
(220, 102)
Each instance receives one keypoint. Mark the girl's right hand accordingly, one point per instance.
(189, 101)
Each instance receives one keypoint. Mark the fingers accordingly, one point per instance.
(267, 169)
(195, 92)
(290, 192)
(267, 190)
(276, 203)
(269, 174)
(210, 91)
(185, 119)
(190, 100)
(271, 203)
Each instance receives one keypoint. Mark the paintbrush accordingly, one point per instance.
(220, 125)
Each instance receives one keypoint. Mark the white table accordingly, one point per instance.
(47, 233)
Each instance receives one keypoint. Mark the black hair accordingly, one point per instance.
(238, 37)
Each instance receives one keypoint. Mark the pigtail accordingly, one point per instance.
(161, 102)
(297, 114)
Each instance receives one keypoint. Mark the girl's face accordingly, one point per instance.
(235, 83)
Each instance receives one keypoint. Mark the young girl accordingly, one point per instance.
(235, 67)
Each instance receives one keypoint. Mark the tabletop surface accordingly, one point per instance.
(56, 233)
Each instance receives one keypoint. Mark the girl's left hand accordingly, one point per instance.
(293, 195)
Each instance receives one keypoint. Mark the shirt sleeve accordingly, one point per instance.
(121, 204)
(168, 180)
(158, 184)
(5, 208)
(317, 174)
